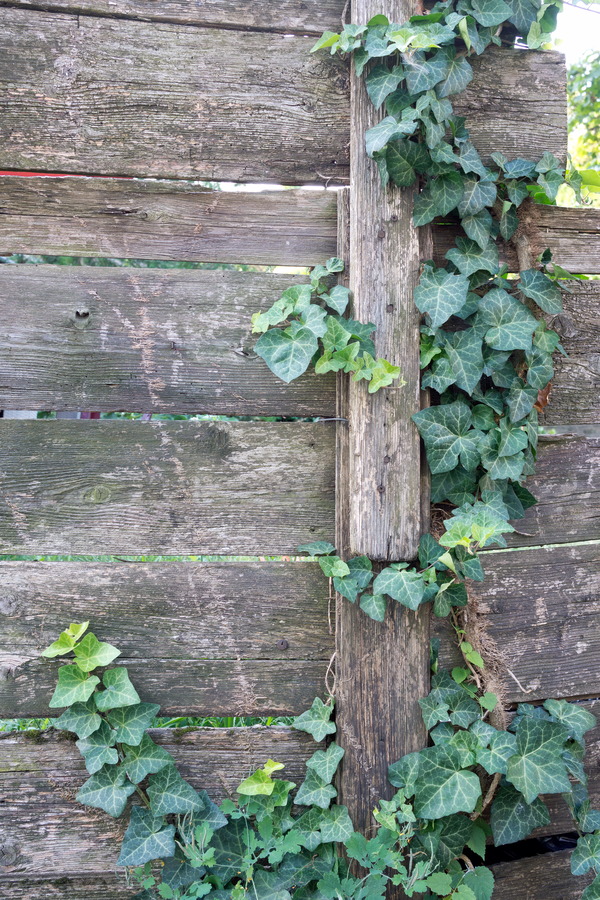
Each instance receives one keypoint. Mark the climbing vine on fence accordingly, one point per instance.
(486, 355)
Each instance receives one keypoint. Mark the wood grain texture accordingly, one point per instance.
(45, 835)
(165, 220)
(573, 235)
(575, 395)
(113, 96)
(96, 487)
(174, 341)
(304, 16)
(542, 609)
(567, 487)
(123, 97)
(381, 668)
(182, 221)
(247, 638)
(384, 451)
(545, 877)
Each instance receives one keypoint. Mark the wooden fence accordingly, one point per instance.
(170, 92)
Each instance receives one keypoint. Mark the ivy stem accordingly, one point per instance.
(143, 797)
(489, 795)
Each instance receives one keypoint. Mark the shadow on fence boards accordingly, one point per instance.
(168, 94)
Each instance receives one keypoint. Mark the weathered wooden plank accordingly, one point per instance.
(134, 487)
(542, 609)
(165, 220)
(573, 235)
(200, 638)
(45, 835)
(304, 16)
(174, 341)
(566, 485)
(119, 97)
(545, 877)
(575, 396)
(384, 452)
(122, 97)
(182, 221)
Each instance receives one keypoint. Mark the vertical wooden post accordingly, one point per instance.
(384, 458)
(382, 668)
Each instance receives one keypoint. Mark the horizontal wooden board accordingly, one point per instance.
(573, 235)
(567, 487)
(111, 217)
(173, 220)
(542, 609)
(45, 835)
(247, 638)
(114, 96)
(544, 877)
(174, 341)
(180, 341)
(135, 488)
(305, 16)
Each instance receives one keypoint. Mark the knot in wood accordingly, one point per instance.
(282, 644)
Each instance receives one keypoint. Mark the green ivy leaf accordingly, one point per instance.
(314, 791)
(490, 12)
(459, 73)
(510, 325)
(592, 892)
(448, 436)
(539, 288)
(336, 825)
(307, 828)
(147, 838)
(66, 640)
(520, 400)
(119, 690)
(131, 722)
(108, 789)
(404, 159)
(502, 746)
(575, 719)
(144, 759)
(74, 686)
(383, 374)
(333, 567)
(480, 881)
(374, 606)
(381, 82)
(337, 299)
(586, 854)
(440, 294)
(476, 196)
(91, 653)
(98, 749)
(316, 548)
(316, 720)
(407, 587)
(465, 358)
(443, 786)
(287, 353)
(537, 767)
(325, 762)
(478, 227)
(424, 73)
(440, 196)
(170, 793)
(81, 718)
(469, 257)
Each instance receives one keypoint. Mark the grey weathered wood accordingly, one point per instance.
(46, 835)
(247, 638)
(165, 220)
(304, 16)
(113, 96)
(573, 235)
(122, 97)
(547, 876)
(575, 395)
(182, 221)
(566, 486)
(384, 451)
(174, 341)
(381, 668)
(542, 608)
(132, 487)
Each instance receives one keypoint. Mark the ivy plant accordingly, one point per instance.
(307, 325)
